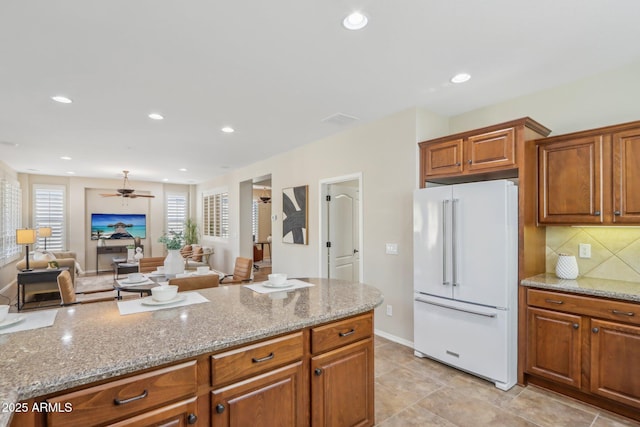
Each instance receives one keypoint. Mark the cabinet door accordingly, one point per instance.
(273, 399)
(443, 158)
(570, 181)
(626, 177)
(615, 361)
(553, 345)
(491, 150)
(342, 386)
(181, 414)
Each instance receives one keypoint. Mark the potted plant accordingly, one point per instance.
(190, 232)
(173, 263)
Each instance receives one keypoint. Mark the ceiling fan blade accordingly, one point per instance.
(111, 195)
(144, 195)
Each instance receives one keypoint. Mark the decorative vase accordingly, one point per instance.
(567, 267)
(173, 263)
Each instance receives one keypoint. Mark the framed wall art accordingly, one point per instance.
(295, 217)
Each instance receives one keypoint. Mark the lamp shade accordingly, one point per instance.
(25, 236)
(44, 231)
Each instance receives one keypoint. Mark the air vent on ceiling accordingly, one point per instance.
(340, 119)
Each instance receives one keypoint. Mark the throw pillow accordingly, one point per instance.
(186, 251)
(197, 255)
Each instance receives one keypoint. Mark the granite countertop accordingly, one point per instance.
(91, 342)
(628, 291)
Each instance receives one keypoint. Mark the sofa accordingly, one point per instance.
(41, 260)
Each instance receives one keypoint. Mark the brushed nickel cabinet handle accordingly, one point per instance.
(596, 213)
(576, 326)
(623, 313)
(346, 334)
(595, 330)
(554, 301)
(617, 213)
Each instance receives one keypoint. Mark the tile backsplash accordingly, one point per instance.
(615, 251)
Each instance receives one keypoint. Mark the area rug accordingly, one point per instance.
(93, 283)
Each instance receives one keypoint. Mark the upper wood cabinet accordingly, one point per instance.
(589, 177)
(491, 152)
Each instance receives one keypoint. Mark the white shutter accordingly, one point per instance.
(49, 211)
(10, 220)
(215, 215)
(176, 212)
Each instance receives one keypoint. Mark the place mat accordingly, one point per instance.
(261, 289)
(136, 306)
(33, 320)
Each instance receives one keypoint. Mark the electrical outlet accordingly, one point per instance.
(585, 250)
(389, 310)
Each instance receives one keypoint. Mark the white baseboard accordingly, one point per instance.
(393, 338)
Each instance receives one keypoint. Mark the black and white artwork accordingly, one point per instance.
(294, 215)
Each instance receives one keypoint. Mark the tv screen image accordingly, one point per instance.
(118, 226)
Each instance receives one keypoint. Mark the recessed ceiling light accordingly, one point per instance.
(61, 99)
(70, 172)
(156, 116)
(355, 21)
(165, 179)
(228, 129)
(65, 158)
(460, 78)
(182, 169)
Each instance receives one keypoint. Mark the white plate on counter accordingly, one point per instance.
(133, 282)
(11, 320)
(151, 301)
(271, 285)
(156, 273)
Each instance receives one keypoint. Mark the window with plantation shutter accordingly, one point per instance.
(49, 211)
(176, 212)
(254, 220)
(10, 220)
(216, 215)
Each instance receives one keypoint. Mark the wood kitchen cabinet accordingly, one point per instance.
(553, 345)
(492, 152)
(589, 177)
(342, 382)
(586, 347)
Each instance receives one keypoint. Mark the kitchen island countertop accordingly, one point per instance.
(618, 289)
(92, 342)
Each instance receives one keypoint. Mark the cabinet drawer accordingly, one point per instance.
(122, 398)
(578, 304)
(246, 361)
(337, 334)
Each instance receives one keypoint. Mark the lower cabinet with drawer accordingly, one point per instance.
(589, 347)
(321, 376)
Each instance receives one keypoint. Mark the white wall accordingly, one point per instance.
(385, 153)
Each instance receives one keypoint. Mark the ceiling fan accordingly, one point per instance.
(126, 192)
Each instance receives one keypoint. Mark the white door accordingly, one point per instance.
(343, 254)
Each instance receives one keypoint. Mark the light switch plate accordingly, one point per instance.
(392, 248)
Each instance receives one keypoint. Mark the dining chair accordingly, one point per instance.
(147, 265)
(68, 294)
(193, 283)
(241, 272)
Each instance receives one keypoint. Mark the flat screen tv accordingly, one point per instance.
(118, 226)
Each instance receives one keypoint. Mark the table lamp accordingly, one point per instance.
(26, 236)
(44, 232)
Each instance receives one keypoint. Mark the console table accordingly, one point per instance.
(111, 250)
(37, 275)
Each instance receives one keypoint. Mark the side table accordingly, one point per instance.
(36, 276)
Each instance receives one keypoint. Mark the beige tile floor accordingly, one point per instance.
(412, 391)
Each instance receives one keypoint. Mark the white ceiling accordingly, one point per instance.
(272, 70)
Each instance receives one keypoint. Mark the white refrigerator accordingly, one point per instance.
(465, 277)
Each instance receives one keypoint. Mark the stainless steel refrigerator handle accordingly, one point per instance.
(444, 242)
(454, 258)
(456, 308)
